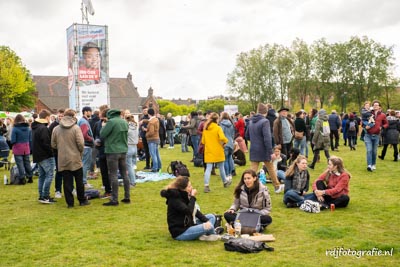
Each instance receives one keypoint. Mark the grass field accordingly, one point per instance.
(34, 234)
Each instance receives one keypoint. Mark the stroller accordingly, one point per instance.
(4, 153)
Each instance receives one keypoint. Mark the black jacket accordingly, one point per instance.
(41, 141)
(180, 209)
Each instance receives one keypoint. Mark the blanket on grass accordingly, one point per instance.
(142, 177)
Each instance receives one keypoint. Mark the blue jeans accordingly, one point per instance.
(195, 143)
(195, 231)
(24, 166)
(131, 162)
(184, 142)
(155, 156)
(371, 143)
(228, 164)
(46, 174)
(306, 149)
(301, 145)
(281, 175)
(207, 173)
(291, 196)
(86, 161)
(170, 135)
(311, 196)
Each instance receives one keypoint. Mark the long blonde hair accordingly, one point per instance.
(292, 167)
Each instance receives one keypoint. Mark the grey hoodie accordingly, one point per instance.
(133, 134)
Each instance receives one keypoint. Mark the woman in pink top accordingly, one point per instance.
(332, 186)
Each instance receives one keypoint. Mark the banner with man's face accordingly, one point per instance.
(88, 66)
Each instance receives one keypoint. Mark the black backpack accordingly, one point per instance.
(178, 168)
(245, 245)
(198, 160)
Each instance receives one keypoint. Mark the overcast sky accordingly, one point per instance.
(185, 48)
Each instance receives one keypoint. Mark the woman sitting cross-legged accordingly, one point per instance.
(332, 186)
(297, 182)
(250, 193)
(185, 221)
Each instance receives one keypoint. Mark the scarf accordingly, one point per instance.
(299, 180)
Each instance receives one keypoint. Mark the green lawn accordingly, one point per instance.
(34, 234)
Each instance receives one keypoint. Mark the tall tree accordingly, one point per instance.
(322, 55)
(16, 85)
(301, 82)
(254, 77)
(342, 73)
(284, 70)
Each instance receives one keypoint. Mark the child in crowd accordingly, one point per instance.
(367, 119)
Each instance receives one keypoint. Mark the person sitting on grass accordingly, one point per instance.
(239, 157)
(296, 183)
(250, 193)
(279, 161)
(332, 186)
(185, 221)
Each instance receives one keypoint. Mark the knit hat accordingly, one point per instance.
(351, 116)
(322, 112)
(262, 109)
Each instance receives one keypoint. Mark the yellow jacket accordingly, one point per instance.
(213, 139)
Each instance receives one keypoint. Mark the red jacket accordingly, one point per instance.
(337, 186)
(240, 126)
(380, 121)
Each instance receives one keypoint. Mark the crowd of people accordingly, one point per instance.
(109, 138)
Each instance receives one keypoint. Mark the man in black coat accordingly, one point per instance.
(43, 155)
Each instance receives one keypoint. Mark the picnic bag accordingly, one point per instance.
(244, 245)
(250, 219)
(178, 168)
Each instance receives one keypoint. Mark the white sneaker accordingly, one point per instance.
(74, 192)
(373, 167)
(229, 177)
(88, 186)
(280, 189)
(209, 237)
(58, 195)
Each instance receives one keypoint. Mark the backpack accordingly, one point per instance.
(14, 173)
(326, 130)
(352, 126)
(250, 221)
(92, 193)
(178, 168)
(198, 160)
(245, 245)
